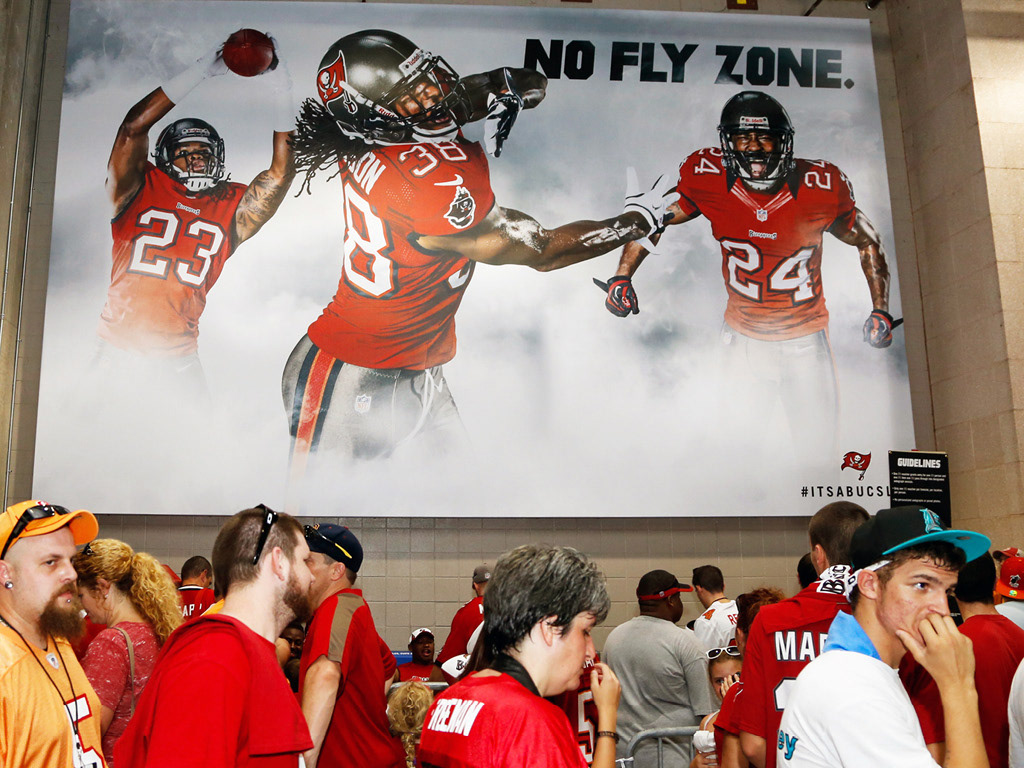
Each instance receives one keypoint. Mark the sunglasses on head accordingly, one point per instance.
(38, 512)
(731, 650)
(269, 516)
(312, 531)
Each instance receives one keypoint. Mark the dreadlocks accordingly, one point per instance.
(319, 144)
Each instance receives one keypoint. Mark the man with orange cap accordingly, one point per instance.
(49, 713)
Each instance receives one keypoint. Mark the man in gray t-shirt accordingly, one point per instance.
(662, 668)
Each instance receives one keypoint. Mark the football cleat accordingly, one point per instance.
(754, 111)
(191, 130)
(382, 88)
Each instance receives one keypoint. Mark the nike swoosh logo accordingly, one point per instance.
(457, 181)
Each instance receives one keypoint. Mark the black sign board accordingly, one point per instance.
(920, 477)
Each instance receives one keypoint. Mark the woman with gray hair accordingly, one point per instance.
(539, 610)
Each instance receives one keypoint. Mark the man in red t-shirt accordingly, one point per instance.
(249, 716)
(786, 636)
(195, 593)
(419, 214)
(769, 212)
(422, 666)
(346, 667)
(467, 618)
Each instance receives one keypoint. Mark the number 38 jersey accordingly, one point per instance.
(771, 243)
(169, 249)
(396, 303)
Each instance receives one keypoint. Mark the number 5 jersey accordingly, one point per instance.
(169, 249)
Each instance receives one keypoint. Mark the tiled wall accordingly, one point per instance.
(417, 572)
(960, 84)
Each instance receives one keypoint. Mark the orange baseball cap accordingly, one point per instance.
(36, 518)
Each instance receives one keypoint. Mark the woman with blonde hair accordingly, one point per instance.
(132, 594)
(407, 709)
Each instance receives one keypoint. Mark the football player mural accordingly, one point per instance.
(419, 215)
(415, 176)
(769, 211)
(176, 222)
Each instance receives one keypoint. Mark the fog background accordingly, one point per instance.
(571, 410)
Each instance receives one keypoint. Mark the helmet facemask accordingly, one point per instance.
(775, 165)
(196, 180)
(169, 148)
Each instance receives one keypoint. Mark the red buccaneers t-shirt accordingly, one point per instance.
(414, 671)
(216, 699)
(785, 638)
(726, 720)
(493, 721)
(342, 629)
(465, 622)
(396, 302)
(169, 249)
(771, 243)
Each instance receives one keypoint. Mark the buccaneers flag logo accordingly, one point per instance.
(858, 461)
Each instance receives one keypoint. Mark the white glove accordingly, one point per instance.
(208, 65)
(653, 204)
(279, 81)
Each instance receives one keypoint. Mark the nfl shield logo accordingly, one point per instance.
(762, 214)
(362, 404)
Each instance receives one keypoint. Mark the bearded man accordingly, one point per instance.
(49, 713)
(249, 715)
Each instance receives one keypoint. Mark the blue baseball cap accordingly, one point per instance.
(337, 542)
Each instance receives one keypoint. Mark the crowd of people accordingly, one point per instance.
(896, 651)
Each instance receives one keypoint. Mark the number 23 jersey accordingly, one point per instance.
(169, 249)
(396, 303)
(771, 243)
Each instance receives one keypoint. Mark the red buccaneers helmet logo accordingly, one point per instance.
(329, 80)
(858, 461)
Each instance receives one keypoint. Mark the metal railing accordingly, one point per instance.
(683, 734)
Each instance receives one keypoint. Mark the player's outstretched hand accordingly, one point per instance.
(605, 687)
(878, 329)
(502, 110)
(946, 653)
(653, 204)
(620, 298)
(213, 63)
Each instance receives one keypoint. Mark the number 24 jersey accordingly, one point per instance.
(771, 243)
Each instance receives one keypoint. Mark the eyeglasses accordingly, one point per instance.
(38, 512)
(731, 650)
(269, 516)
(310, 530)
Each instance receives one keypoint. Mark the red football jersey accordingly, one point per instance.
(169, 249)
(771, 243)
(495, 722)
(395, 306)
(581, 710)
(785, 638)
(195, 600)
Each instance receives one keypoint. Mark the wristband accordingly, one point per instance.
(609, 734)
